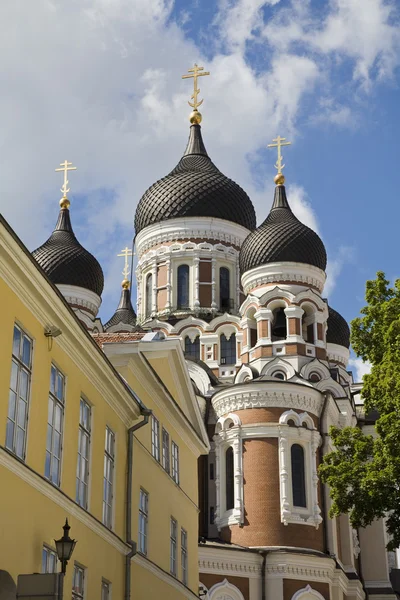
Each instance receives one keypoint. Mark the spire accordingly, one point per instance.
(124, 318)
(280, 200)
(195, 143)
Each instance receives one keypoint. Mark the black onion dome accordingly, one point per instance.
(195, 188)
(65, 261)
(338, 329)
(124, 314)
(282, 238)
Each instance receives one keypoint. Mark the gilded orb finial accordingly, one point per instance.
(279, 178)
(65, 167)
(126, 253)
(195, 116)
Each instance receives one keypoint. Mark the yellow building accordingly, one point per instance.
(78, 440)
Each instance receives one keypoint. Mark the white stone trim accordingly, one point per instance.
(338, 354)
(217, 592)
(293, 272)
(268, 394)
(190, 227)
(307, 593)
(315, 366)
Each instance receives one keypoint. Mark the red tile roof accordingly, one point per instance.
(117, 338)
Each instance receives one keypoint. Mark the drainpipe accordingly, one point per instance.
(128, 525)
(263, 553)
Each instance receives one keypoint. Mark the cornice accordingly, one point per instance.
(55, 495)
(283, 272)
(34, 290)
(267, 395)
(155, 570)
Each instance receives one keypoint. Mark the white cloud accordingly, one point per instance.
(360, 368)
(301, 206)
(98, 82)
(344, 255)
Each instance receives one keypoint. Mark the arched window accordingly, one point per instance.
(149, 294)
(228, 349)
(298, 476)
(224, 292)
(183, 287)
(230, 495)
(279, 329)
(192, 348)
(279, 375)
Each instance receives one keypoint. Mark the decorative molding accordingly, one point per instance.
(280, 394)
(285, 272)
(307, 593)
(338, 354)
(78, 296)
(225, 590)
(206, 228)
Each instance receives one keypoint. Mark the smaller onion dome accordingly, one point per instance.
(282, 238)
(195, 188)
(124, 318)
(65, 261)
(338, 329)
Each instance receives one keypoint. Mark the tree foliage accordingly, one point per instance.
(364, 470)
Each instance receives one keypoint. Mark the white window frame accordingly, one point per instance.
(143, 521)
(48, 553)
(78, 594)
(13, 419)
(184, 555)
(165, 454)
(175, 462)
(105, 590)
(57, 402)
(173, 566)
(108, 478)
(155, 438)
(84, 433)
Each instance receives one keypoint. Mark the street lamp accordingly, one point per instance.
(65, 547)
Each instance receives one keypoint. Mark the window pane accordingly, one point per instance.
(53, 376)
(192, 348)
(23, 384)
(224, 288)
(12, 403)
(183, 286)
(16, 342)
(149, 294)
(26, 351)
(47, 464)
(230, 494)
(14, 376)
(298, 476)
(10, 435)
(19, 447)
(21, 414)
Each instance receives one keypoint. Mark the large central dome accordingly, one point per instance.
(195, 188)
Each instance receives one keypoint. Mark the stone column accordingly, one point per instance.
(154, 294)
(169, 284)
(196, 295)
(264, 318)
(214, 304)
(294, 334)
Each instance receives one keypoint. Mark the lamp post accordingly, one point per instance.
(65, 547)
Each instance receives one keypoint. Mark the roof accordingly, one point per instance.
(282, 238)
(124, 315)
(195, 188)
(65, 261)
(338, 329)
(117, 338)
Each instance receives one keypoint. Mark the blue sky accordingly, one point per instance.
(99, 82)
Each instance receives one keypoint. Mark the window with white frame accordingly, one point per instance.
(155, 438)
(18, 399)
(229, 479)
(298, 444)
(78, 583)
(165, 450)
(105, 590)
(175, 462)
(228, 349)
(184, 556)
(49, 560)
(143, 521)
(55, 419)
(82, 469)
(173, 546)
(108, 479)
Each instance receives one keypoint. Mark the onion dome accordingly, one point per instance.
(195, 188)
(338, 329)
(65, 261)
(124, 318)
(282, 238)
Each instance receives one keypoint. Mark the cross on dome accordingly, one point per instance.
(126, 253)
(65, 167)
(279, 142)
(194, 73)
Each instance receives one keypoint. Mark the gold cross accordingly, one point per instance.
(126, 253)
(65, 166)
(280, 141)
(195, 74)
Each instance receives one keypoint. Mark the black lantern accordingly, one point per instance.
(65, 547)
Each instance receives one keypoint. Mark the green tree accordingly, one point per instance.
(364, 471)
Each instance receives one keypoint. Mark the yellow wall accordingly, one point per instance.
(33, 510)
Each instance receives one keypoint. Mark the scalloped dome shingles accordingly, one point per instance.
(195, 188)
(282, 238)
(338, 329)
(65, 261)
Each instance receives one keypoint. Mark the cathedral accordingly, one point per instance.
(266, 356)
